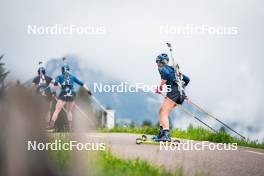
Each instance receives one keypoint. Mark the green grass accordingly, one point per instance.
(61, 158)
(193, 133)
(111, 165)
(104, 163)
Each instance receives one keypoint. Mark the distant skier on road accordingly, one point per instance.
(42, 84)
(66, 82)
(175, 94)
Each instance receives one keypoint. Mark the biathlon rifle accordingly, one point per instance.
(178, 73)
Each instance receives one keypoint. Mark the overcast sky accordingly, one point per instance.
(225, 70)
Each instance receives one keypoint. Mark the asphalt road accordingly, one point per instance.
(243, 162)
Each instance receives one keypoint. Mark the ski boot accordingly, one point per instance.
(165, 136)
(158, 136)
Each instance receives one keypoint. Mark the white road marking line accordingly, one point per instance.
(258, 153)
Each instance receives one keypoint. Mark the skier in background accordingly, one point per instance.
(173, 97)
(66, 99)
(42, 85)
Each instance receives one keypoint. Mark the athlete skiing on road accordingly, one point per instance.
(66, 82)
(174, 95)
(42, 84)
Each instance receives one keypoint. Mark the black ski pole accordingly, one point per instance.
(191, 114)
(84, 114)
(212, 116)
(78, 108)
(101, 106)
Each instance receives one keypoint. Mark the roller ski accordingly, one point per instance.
(155, 140)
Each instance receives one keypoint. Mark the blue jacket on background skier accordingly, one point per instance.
(42, 83)
(67, 95)
(66, 82)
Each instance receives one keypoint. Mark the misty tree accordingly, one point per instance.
(222, 129)
(3, 75)
(190, 126)
(132, 124)
(146, 123)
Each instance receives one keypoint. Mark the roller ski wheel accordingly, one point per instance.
(139, 141)
(144, 137)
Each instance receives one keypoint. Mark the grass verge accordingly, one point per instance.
(104, 163)
(193, 133)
